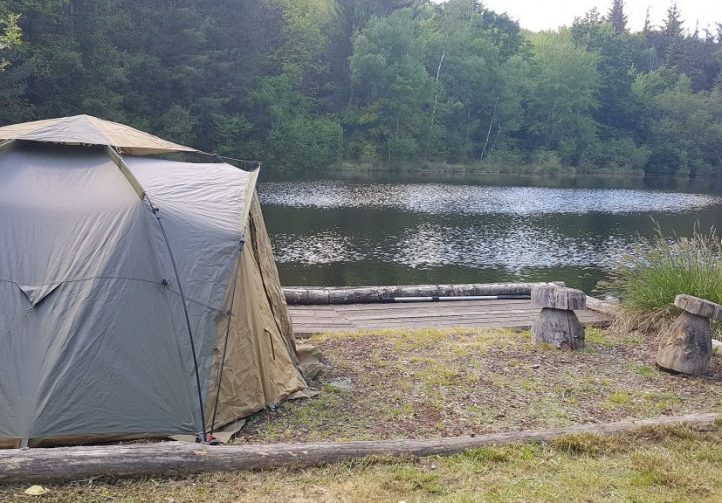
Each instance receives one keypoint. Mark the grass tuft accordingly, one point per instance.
(487, 455)
(585, 444)
(646, 371)
(405, 479)
(648, 283)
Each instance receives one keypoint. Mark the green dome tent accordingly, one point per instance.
(138, 295)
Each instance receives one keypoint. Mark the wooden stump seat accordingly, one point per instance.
(686, 345)
(557, 324)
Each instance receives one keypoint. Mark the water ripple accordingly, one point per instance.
(517, 248)
(477, 200)
(430, 245)
(321, 248)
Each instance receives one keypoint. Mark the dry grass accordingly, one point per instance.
(679, 464)
(436, 383)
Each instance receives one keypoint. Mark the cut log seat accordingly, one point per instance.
(557, 324)
(686, 345)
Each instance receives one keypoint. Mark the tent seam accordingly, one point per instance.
(90, 278)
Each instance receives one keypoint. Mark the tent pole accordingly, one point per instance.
(6, 146)
(123, 167)
(118, 160)
(229, 313)
(156, 212)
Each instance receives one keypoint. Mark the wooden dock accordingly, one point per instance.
(519, 314)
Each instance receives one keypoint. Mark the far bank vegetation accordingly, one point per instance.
(311, 85)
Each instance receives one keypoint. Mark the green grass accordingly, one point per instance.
(619, 398)
(417, 384)
(435, 383)
(654, 465)
(646, 371)
(666, 267)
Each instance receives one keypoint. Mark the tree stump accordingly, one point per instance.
(686, 345)
(557, 324)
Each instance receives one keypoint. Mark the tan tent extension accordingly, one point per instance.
(138, 295)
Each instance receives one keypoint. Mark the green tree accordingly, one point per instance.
(297, 139)
(673, 23)
(302, 83)
(616, 16)
(561, 95)
(697, 58)
(473, 54)
(682, 128)
(10, 34)
(392, 89)
(615, 68)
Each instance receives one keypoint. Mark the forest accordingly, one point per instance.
(308, 85)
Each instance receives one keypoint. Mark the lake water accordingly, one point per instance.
(393, 229)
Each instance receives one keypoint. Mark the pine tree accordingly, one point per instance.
(647, 24)
(673, 24)
(616, 17)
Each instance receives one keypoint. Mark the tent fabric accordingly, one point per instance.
(95, 343)
(260, 336)
(88, 130)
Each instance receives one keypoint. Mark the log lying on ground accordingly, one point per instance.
(173, 458)
(302, 295)
(601, 306)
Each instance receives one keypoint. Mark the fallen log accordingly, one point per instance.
(303, 295)
(174, 458)
(602, 306)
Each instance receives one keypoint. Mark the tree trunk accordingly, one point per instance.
(173, 458)
(558, 328)
(468, 151)
(300, 295)
(496, 138)
(488, 133)
(436, 102)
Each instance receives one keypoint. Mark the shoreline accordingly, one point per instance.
(472, 170)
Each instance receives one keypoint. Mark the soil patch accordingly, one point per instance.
(439, 383)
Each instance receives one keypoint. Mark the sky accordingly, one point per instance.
(539, 15)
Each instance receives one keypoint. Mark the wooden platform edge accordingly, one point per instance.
(175, 458)
(301, 332)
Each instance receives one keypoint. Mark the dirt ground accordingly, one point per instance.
(432, 383)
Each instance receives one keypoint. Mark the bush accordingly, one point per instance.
(619, 155)
(648, 283)
(305, 143)
(548, 160)
(506, 155)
